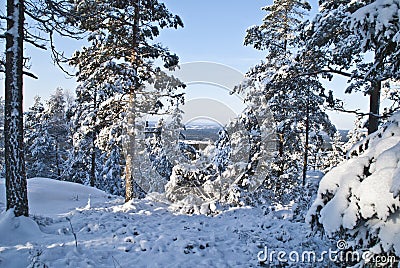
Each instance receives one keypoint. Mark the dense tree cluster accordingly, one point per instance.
(114, 71)
(293, 99)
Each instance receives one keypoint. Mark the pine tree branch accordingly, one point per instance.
(359, 113)
(58, 57)
(31, 75)
(36, 18)
(33, 42)
(34, 36)
(329, 70)
(2, 65)
(49, 18)
(342, 73)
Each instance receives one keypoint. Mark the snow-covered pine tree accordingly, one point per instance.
(340, 36)
(239, 157)
(378, 34)
(336, 154)
(316, 149)
(47, 137)
(111, 162)
(358, 201)
(158, 148)
(59, 131)
(122, 45)
(38, 143)
(226, 172)
(96, 85)
(292, 98)
(356, 134)
(111, 177)
(279, 29)
(223, 150)
(164, 145)
(377, 24)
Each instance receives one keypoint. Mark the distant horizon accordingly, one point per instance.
(211, 123)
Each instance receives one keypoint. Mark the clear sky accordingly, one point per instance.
(213, 32)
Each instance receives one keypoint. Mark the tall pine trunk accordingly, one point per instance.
(16, 185)
(281, 150)
(130, 189)
(306, 146)
(374, 102)
(131, 150)
(58, 164)
(93, 143)
(93, 161)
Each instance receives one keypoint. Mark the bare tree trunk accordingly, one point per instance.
(16, 184)
(374, 102)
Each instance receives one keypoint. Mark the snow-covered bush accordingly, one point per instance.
(224, 173)
(359, 199)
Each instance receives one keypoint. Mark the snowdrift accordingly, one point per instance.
(49, 197)
(141, 233)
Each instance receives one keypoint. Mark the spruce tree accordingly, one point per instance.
(38, 144)
(47, 137)
(336, 154)
(58, 129)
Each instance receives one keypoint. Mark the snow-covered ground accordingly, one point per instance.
(142, 233)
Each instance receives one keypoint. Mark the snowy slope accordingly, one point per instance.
(55, 198)
(138, 234)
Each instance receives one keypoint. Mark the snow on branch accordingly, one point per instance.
(359, 199)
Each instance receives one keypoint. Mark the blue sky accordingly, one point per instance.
(214, 32)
